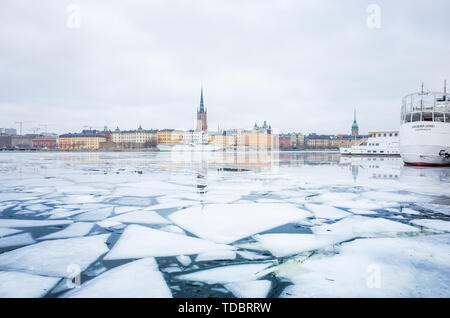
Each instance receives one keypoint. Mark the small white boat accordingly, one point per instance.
(197, 147)
(165, 148)
(380, 143)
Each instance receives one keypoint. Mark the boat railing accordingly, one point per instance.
(426, 106)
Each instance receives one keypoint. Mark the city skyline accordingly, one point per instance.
(302, 66)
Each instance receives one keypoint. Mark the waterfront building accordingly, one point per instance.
(169, 137)
(8, 131)
(195, 137)
(44, 143)
(5, 141)
(139, 138)
(86, 140)
(284, 141)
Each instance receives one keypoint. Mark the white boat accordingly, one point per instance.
(165, 148)
(380, 143)
(425, 129)
(197, 147)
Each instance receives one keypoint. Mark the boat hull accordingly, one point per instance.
(421, 143)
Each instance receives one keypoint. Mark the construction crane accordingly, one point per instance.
(21, 124)
(45, 127)
(34, 130)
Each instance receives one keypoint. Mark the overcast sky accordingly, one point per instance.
(301, 65)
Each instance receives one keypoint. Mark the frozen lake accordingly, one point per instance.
(222, 225)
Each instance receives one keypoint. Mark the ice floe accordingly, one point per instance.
(141, 217)
(228, 274)
(326, 212)
(381, 267)
(226, 223)
(53, 257)
(438, 225)
(96, 215)
(6, 231)
(31, 223)
(216, 255)
(252, 289)
(139, 241)
(73, 230)
(16, 240)
(141, 279)
(23, 285)
(284, 244)
(184, 260)
(365, 226)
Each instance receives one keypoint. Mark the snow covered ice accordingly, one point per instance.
(283, 225)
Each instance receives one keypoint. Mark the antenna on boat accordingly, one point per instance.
(445, 90)
(421, 98)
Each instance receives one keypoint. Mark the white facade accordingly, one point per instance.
(139, 136)
(195, 137)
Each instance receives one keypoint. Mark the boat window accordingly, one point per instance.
(416, 117)
(427, 116)
(390, 135)
(385, 135)
(396, 134)
(378, 144)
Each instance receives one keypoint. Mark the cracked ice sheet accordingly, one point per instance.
(326, 212)
(437, 208)
(396, 197)
(285, 244)
(408, 267)
(226, 223)
(252, 289)
(364, 226)
(23, 285)
(6, 231)
(31, 223)
(141, 217)
(149, 188)
(139, 241)
(228, 274)
(96, 215)
(52, 258)
(73, 230)
(140, 278)
(438, 225)
(17, 240)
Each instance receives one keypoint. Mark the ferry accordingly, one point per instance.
(191, 147)
(380, 143)
(425, 128)
(165, 148)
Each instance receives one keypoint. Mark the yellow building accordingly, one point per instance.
(87, 140)
(169, 137)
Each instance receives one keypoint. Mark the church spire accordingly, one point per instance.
(202, 104)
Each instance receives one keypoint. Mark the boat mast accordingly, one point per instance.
(421, 98)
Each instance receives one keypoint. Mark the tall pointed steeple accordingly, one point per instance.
(202, 115)
(355, 128)
(202, 104)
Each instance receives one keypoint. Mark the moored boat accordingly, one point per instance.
(380, 143)
(425, 129)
